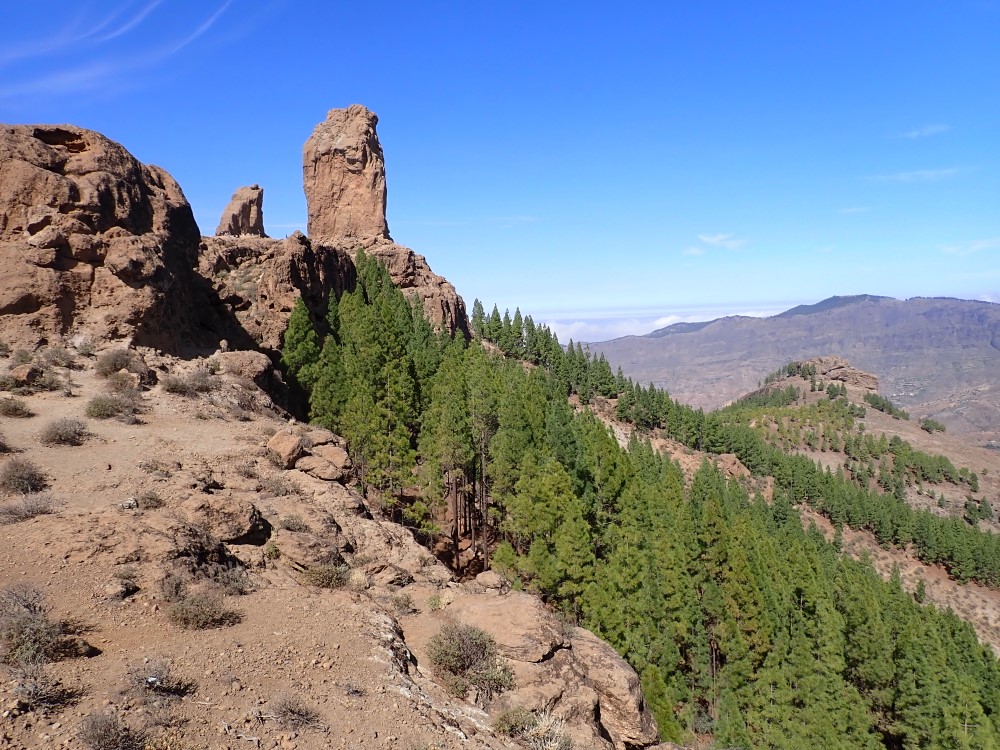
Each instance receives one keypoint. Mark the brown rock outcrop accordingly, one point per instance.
(90, 239)
(344, 179)
(245, 214)
(836, 368)
(258, 280)
(568, 671)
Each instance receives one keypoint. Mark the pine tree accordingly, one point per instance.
(300, 348)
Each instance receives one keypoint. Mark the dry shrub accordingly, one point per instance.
(403, 604)
(63, 431)
(327, 576)
(58, 356)
(21, 357)
(14, 407)
(4, 349)
(202, 610)
(149, 500)
(124, 406)
(26, 632)
(110, 732)
(293, 523)
(35, 686)
(19, 476)
(278, 486)
(292, 713)
(199, 381)
(465, 656)
(114, 361)
(5, 447)
(26, 507)
(121, 382)
(156, 679)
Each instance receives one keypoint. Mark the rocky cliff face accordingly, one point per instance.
(91, 241)
(343, 173)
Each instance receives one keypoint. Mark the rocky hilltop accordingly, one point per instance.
(936, 357)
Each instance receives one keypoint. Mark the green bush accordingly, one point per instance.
(465, 656)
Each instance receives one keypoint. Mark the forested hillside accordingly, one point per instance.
(748, 630)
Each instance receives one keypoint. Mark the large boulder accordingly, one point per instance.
(91, 240)
(245, 214)
(343, 175)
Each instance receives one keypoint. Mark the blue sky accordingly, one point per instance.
(609, 168)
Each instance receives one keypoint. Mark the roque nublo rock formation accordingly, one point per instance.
(94, 243)
(343, 173)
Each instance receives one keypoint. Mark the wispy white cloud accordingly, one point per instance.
(854, 210)
(107, 73)
(926, 131)
(693, 250)
(917, 175)
(970, 248)
(993, 297)
(205, 26)
(727, 240)
(131, 23)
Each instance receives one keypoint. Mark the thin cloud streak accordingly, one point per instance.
(693, 251)
(916, 175)
(723, 239)
(199, 31)
(854, 210)
(137, 19)
(993, 243)
(926, 131)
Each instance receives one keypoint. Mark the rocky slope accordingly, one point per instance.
(937, 357)
(202, 568)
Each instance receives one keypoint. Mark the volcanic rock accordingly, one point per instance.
(344, 179)
(245, 213)
(91, 241)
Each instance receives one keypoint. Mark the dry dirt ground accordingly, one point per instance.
(340, 653)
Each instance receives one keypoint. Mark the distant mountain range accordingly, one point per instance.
(937, 357)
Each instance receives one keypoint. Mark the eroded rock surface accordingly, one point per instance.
(91, 241)
(245, 213)
(343, 174)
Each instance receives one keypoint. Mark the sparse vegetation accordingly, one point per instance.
(26, 632)
(292, 712)
(149, 500)
(38, 689)
(201, 610)
(58, 356)
(5, 447)
(155, 678)
(124, 406)
(19, 476)
(20, 357)
(14, 407)
(63, 431)
(539, 731)
(931, 425)
(277, 486)
(110, 732)
(434, 602)
(293, 523)
(4, 349)
(402, 603)
(327, 576)
(199, 381)
(115, 361)
(465, 657)
(26, 507)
